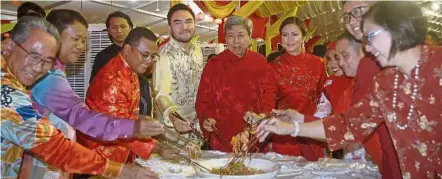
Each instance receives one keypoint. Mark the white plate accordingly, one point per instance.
(277, 157)
(331, 171)
(212, 154)
(270, 168)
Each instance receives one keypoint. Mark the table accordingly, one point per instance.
(291, 167)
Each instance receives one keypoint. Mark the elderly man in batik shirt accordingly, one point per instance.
(28, 55)
(178, 71)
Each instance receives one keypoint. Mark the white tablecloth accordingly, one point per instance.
(291, 167)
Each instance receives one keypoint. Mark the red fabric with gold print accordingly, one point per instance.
(300, 82)
(115, 91)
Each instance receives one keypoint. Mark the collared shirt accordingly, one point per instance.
(23, 129)
(176, 79)
(115, 91)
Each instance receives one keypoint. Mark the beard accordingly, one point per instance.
(182, 40)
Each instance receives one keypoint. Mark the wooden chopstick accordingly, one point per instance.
(194, 131)
(215, 130)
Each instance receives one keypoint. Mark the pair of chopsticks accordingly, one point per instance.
(252, 142)
(215, 131)
(192, 162)
(175, 114)
(194, 131)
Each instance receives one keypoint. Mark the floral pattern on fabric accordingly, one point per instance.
(23, 129)
(418, 145)
(301, 80)
(115, 91)
(176, 79)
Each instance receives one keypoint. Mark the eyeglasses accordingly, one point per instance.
(371, 35)
(355, 13)
(35, 58)
(152, 57)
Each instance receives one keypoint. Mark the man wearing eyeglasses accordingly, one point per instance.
(367, 69)
(115, 91)
(118, 25)
(28, 55)
(55, 99)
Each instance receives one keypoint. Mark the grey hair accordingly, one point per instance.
(20, 32)
(238, 20)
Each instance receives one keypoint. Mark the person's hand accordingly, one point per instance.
(275, 126)
(288, 115)
(147, 127)
(169, 154)
(134, 171)
(180, 126)
(207, 124)
(252, 118)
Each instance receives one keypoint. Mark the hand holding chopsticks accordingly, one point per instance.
(192, 129)
(209, 126)
(252, 142)
(179, 154)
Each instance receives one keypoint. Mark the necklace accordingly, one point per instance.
(392, 115)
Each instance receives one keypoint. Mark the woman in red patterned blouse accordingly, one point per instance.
(301, 77)
(406, 97)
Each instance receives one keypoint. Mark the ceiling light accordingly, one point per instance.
(435, 6)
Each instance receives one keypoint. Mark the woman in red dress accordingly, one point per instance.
(300, 80)
(407, 97)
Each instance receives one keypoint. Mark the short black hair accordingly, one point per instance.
(351, 40)
(61, 18)
(274, 55)
(36, 10)
(135, 35)
(404, 21)
(210, 56)
(320, 50)
(121, 15)
(179, 7)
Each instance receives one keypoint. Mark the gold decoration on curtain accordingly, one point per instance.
(220, 11)
(175, 2)
(254, 45)
(273, 30)
(310, 33)
(247, 9)
(269, 8)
